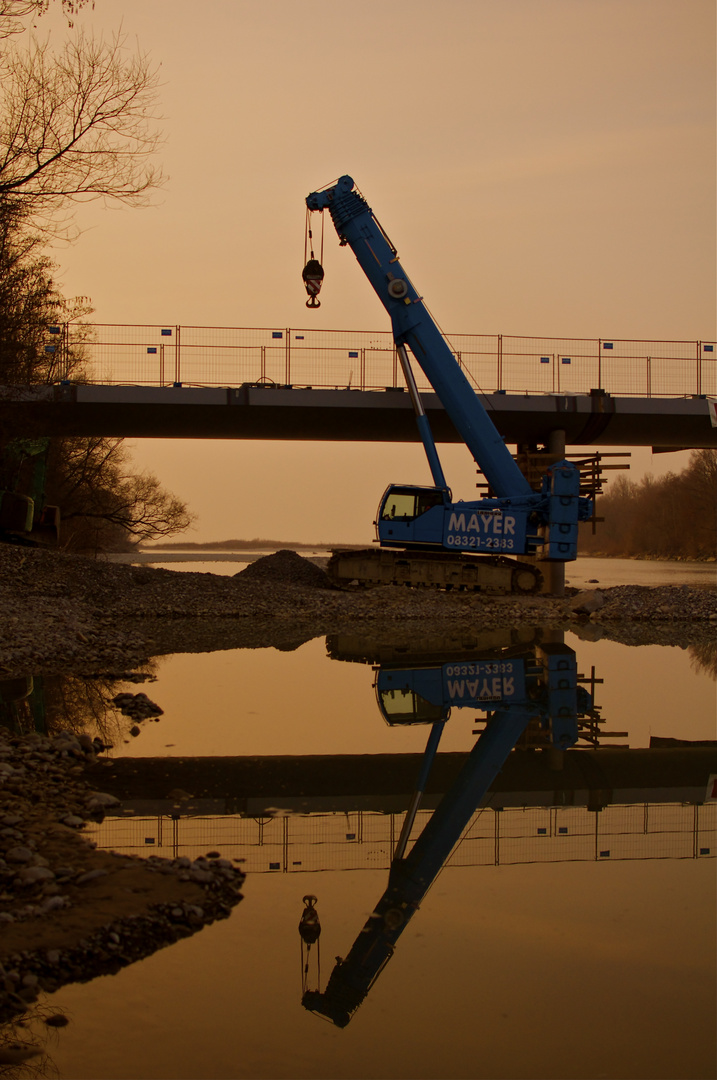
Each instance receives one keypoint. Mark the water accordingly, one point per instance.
(556, 939)
(212, 562)
(583, 573)
(611, 572)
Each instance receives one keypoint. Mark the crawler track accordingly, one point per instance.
(442, 570)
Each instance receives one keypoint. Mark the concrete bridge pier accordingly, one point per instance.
(554, 572)
(553, 450)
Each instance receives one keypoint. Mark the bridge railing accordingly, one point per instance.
(358, 840)
(366, 360)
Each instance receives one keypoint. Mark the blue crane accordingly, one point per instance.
(515, 520)
(540, 685)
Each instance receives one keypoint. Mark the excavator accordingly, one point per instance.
(538, 687)
(424, 537)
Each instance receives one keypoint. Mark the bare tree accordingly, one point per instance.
(12, 12)
(30, 306)
(77, 124)
(672, 516)
(104, 504)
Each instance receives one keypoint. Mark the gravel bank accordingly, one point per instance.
(69, 912)
(65, 612)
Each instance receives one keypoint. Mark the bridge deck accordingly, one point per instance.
(281, 412)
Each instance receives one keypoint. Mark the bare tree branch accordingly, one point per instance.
(78, 124)
(12, 12)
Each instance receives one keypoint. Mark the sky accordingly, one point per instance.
(545, 167)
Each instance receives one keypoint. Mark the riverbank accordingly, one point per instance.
(69, 912)
(65, 612)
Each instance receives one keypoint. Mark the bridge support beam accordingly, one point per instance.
(554, 572)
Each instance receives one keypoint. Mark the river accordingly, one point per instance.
(583, 573)
(568, 933)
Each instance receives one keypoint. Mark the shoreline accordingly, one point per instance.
(65, 612)
(69, 911)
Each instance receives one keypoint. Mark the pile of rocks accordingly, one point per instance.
(288, 568)
(69, 912)
(664, 603)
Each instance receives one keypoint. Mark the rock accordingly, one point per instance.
(137, 706)
(585, 603)
(19, 855)
(30, 875)
(101, 800)
(57, 1020)
(91, 875)
(198, 874)
(16, 1053)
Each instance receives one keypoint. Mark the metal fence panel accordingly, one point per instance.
(365, 840)
(230, 356)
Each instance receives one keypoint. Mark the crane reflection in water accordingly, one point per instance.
(531, 694)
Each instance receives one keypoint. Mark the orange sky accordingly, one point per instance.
(544, 166)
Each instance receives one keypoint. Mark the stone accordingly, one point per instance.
(102, 799)
(91, 875)
(30, 875)
(585, 603)
(19, 855)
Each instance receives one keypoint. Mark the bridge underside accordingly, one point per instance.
(267, 412)
(592, 778)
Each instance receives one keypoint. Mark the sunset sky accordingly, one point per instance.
(544, 167)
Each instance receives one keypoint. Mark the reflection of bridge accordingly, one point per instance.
(301, 813)
(253, 786)
(365, 840)
(212, 382)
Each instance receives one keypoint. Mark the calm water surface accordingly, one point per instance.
(559, 940)
(581, 573)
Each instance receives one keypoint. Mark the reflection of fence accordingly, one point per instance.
(230, 356)
(365, 840)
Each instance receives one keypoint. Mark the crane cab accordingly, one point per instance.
(409, 515)
(410, 697)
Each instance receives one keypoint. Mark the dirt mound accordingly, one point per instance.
(288, 568)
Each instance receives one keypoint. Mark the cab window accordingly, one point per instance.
(399, 506)
(404, 706)
(427, 500)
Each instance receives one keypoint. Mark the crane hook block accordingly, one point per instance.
(309, 925)
(313, 275)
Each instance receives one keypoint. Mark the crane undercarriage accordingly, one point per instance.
(436, 569)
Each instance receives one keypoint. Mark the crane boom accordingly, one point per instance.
(413, 326)
(410, 878)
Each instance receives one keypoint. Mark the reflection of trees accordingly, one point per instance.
(703, 658)
(23, 1043)
(73, 703)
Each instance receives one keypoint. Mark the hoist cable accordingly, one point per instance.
(308, 246)
(309, 238)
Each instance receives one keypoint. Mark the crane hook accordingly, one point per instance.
(313, 272)
(309, 925)
(309, 932)
(313, 275)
